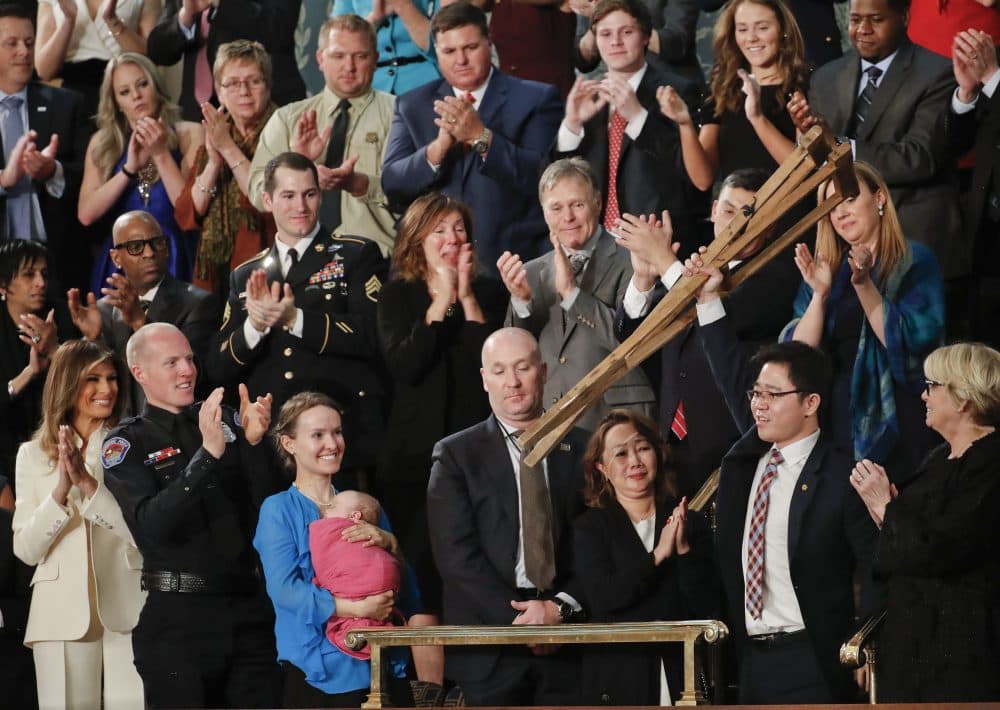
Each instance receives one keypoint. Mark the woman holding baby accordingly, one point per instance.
(310, 442)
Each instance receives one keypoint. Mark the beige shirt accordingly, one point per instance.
(367, 130)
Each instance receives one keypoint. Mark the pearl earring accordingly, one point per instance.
(881, 210)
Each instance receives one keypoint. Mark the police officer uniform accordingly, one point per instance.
(336, 283)
(205, 637)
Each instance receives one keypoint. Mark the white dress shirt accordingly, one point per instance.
(781, 606)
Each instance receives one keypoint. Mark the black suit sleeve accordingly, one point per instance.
(731, 369)
(166, 44)
(201, 324)
(455, 540)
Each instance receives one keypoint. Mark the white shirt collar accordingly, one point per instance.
(151, 293)
(800, 449)
(477, 93)
(587, 248)
(883, 65)
(301, 247)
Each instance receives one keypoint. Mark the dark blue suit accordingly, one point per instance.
(501, 190)
(831, 538)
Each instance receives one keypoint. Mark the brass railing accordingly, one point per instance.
(859, 650)
(686, 632)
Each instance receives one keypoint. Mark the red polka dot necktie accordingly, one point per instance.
(616, 132)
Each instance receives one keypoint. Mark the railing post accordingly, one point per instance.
(375, 695)
(690, 694)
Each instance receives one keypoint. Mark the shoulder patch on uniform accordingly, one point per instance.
(114, 451)
(346, 238)
(372, 287)
(255, 257)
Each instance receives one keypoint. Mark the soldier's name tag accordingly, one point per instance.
(156, 457)
(227, 433)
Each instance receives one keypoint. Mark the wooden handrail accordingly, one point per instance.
(688, 632)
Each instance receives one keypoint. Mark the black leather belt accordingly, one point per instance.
(401, 61)
(190, 583)
(777, 640)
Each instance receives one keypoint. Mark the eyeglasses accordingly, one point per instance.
(928, 384)
(766, 396)
(253, 84)
(136, 247)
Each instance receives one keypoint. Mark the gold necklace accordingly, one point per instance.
(147, 176)
(320, 504)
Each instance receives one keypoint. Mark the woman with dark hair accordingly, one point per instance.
(31, 328)
(214, 199)
(759, 63)
(433, 316)
(874, 302)
(642, 556)
(309, 438)
(85, 592)
(939, 546)
(139, 159)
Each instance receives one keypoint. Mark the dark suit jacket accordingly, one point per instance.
(52, 110)
(472, 508)
(502, 190)
(435, 371)
(980, 128)
(756, 311)
(651, 175)
(336, 283)
(194, 311)
(831, 537)
(573, 342)
(904, 137)
(270, 22)
(17, 672)
(623, 584)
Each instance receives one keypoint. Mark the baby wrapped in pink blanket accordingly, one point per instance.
(350, 570)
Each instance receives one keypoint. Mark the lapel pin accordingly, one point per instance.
(805, 487)
(318, 247)
(371, 137)
(565, 448)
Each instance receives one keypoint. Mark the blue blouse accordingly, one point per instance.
(301, 608)
(394, 42)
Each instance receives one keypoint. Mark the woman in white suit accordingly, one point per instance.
(85, 592)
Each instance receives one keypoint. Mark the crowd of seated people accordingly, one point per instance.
(214, 301)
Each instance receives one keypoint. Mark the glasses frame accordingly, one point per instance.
(930, 384)
(255, 83)
(767, 397)
(135, 247)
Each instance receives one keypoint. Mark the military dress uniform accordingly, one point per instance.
(336, 283)
(205, 637)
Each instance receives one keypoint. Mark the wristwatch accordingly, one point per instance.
(482, 144)
(566, 610)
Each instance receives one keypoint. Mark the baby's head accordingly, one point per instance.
(356, 506)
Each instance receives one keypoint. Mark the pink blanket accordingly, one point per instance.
(350, 571)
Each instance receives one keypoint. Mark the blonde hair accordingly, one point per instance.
(113, 127)
(724, 83)
(242, 50)
(893, 250)
(72, 362)
(971, 373)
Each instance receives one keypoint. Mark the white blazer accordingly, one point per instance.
(56, 540)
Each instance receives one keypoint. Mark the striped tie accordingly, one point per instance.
(865, 100)
(755, 540)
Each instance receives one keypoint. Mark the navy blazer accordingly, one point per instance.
(59, 111)
(501, 190)
(831, 537)
(472, 510)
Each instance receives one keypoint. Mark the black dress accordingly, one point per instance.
(939, 553)
(437, 391)
(739, 146)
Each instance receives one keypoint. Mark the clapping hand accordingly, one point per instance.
(975, 61)
(565, 280)
(121, 294)
(673, 539)
(584, 101)
(71, 460)
(816, 272)
(255, 417)
(514, 276)
(872, 484)
(673, 106)
(210, 424)
(307, 140)
(39, 334)
(649, 238)
(40, 164)
(268, 306)
(86, 318)
(861, 261)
